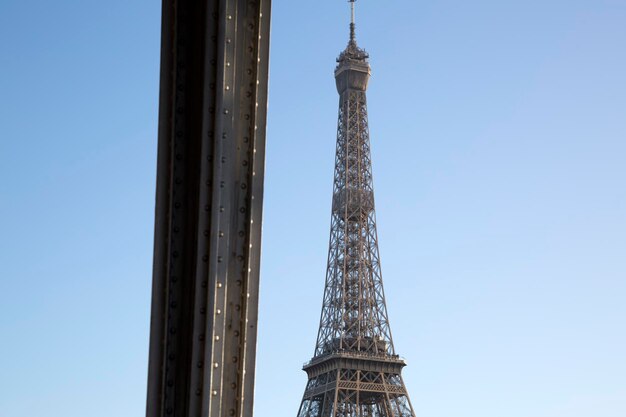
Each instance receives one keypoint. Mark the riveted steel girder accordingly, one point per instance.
(210, 170)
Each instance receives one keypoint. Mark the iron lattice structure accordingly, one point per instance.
(355, 371)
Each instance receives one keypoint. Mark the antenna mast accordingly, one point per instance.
(352, 21)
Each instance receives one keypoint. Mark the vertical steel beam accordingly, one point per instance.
(210, 170)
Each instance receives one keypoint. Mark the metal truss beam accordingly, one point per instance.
(210, 170)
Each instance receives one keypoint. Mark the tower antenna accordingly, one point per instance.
(352, 21)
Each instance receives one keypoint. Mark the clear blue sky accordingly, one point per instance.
(499, 148)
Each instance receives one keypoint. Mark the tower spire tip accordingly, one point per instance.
(352, 21)
(352, 51)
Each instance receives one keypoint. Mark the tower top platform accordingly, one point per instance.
(353, 69)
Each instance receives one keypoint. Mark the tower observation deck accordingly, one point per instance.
(355, 371)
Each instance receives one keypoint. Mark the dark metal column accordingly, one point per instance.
(210, 169)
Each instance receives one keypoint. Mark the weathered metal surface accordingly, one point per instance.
(210, 170)
(355, 371)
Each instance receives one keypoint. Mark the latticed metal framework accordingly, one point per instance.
(355, 371)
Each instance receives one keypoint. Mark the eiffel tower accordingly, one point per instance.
(355, 371)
